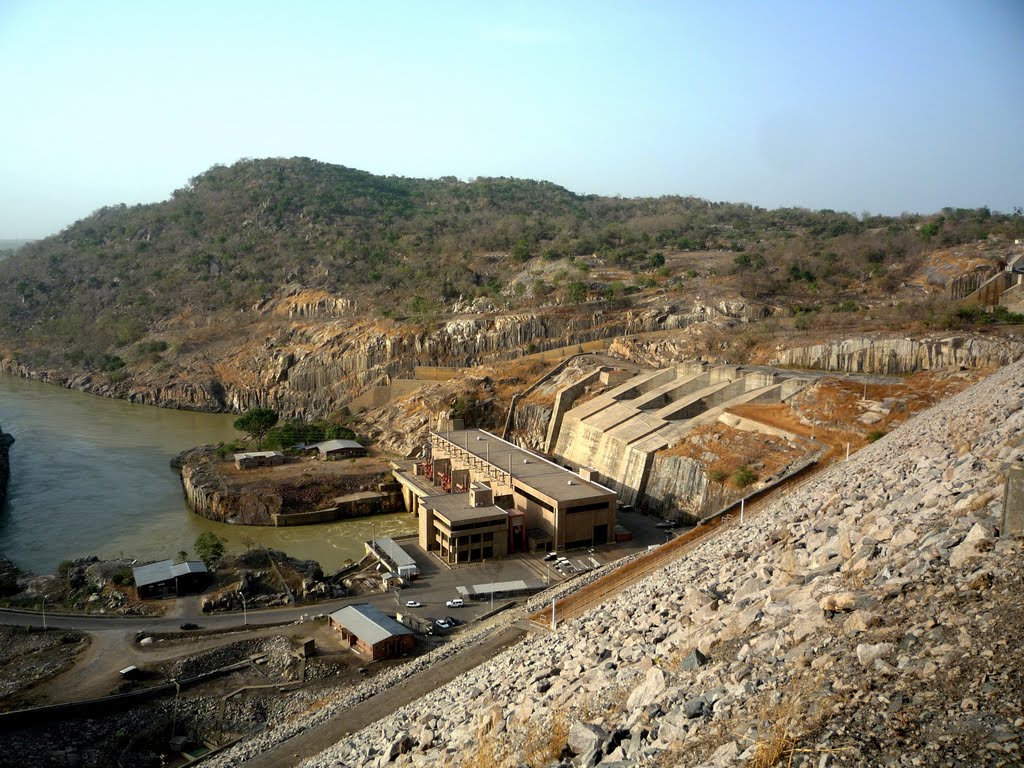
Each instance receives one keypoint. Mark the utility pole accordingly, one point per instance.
(44, 611)
(245, 614)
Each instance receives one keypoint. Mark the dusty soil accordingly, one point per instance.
(722, 449)
(303, 469)
(31, 657)
(836, 411)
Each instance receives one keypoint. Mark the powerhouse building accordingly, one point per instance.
(478, 496)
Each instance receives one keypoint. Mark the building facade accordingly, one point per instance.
(477, 489)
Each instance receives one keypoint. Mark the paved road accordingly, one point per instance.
(94, 623)
(315, 740)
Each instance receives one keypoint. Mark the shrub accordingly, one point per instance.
(717, 475)
(876, 434)
(743, 477)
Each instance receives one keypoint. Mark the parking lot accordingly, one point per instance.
(439, 583)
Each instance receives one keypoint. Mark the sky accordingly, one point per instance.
(862, 106)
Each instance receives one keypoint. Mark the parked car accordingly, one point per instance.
(413, 604)
(442, 624)
(189, 625)
(452, 621)
(551, 556)
(456, 603)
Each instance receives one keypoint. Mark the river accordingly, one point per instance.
(91, 476)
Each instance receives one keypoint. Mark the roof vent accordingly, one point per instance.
(569, 482)
(478, 437)
(526, 461)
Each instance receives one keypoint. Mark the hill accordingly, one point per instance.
(140, 298)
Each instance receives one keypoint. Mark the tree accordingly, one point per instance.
(210, 548)
(256, 423)
(182, 556)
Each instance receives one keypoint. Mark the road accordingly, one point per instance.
(315, 740)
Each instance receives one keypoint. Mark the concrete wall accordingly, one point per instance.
(564, 400)
(1013, 501)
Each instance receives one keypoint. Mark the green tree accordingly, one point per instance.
(576, 292)
(256, 423)
(210, 548)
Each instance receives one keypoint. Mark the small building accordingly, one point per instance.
(165, 578)
(371, 632)
(394, 558)
(332, 450)
(254, 459)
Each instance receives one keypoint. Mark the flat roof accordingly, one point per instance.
(257, 455)
(165, 570)
(532, 470)
(368, 623)
(455, 508)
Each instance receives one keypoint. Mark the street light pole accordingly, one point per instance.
(44, 611)
(245, 614)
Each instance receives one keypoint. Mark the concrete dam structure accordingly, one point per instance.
(616, 434)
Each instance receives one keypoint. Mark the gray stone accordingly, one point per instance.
(648, 691)
(694, 660)
(696, 707)
(584, 737)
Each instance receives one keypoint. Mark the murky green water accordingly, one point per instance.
(91, 476)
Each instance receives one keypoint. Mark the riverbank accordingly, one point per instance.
(6, 441)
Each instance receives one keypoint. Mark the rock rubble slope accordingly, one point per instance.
(873, 617)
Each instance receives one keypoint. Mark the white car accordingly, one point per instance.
(456, 603)
(413, 604)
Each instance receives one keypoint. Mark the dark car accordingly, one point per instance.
(189, 625)
(452, 620)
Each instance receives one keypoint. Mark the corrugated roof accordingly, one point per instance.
(337, 445)
(257, 455)
(518, 585)
(165, 570)
(368, 623)
(392, 551)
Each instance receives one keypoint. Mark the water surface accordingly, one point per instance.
(91, 476)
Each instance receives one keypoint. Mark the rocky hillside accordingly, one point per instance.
(874, 616)
(297, 284)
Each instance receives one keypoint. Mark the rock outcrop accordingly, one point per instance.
(904, 355)
(6, 441)
(309, 363)
(873, 616)
(261, 500)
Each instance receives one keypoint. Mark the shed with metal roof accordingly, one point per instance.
(370, 631)
(165, 577)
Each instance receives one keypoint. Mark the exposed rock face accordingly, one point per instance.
(677, 482)
(874, 612)
(6, 441)
(312, 362)
(896, 356)
(256, 502)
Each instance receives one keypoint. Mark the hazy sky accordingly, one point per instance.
(860, 106)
